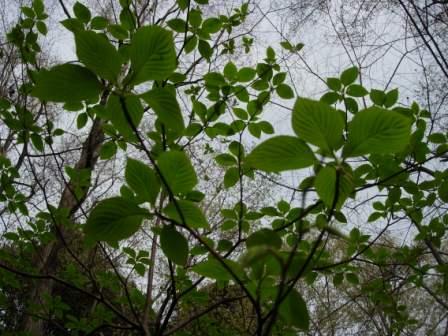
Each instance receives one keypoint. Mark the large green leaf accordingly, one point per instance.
(281, 153)
(349, 76)
(152, 53)
(317, 123)
(212, 268)
(115, 112)
(177, 171)
(66, 83)
(98, 54)
(114, 219)
(189, 214)
(174, 245)
(294, 312)
(164, 103)
(264, 237)
(142, 180)
(325, 184)
(377, 131)
(443, 191)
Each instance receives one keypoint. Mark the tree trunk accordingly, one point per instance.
(49, 261)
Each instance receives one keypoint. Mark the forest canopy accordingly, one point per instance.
(169, 168)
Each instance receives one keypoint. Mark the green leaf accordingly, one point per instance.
(178, 172)
(349, 76)
(38, 6)
(183, 4)
(73, 25)
(36, 139)
(356, 90)
(211, 25)
(177, 24)
(174, 245)
(231, 71)
(212, 268)
(330, 97)
(281, 153)
(189, 215)
(437, 138)
(195, 18)
(28, 12)
(377, 96)
(66, 83)
(443, 191)
(266, 127)
(99, 23)
(391, 98)
(108, 150)
(117, 114)
(377, 131)
(152, 53)
(205, 49)
(191, 43)
(317, 123)
(82, 12)
(334, 83)
(293, 310)
(254, 129)
(270, 53)
(98, 54)
(142, 180)
(114, 219)
(352, 278)
(285, 91)
(265, 237)
(231, 177)
(287, 45)
(214, 79)
(164, 103)
(246, 74)
(225, 160)
(337, 279)
(81, 121)
(42, 27)
(118, 31)
(325, 184)
(127, 19)
(279, 78)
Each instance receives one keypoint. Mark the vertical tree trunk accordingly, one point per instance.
(49, 261)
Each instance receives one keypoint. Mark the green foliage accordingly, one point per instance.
(98, 54)
(81, 12)
(152, 54)
(219, 227)
(67, 83)
(177, 171)
(214, 269)
(114, 219)
(333, 185)
(281, 153)
(142, 180)
(174, 245)
(186, 213)
(318, 124)
(164, 103)
(119, 110)
(294, 311)
(349, 76)
(377, 131)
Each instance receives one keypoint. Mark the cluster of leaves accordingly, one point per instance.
(116, 84)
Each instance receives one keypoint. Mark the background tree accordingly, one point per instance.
(135, 202)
